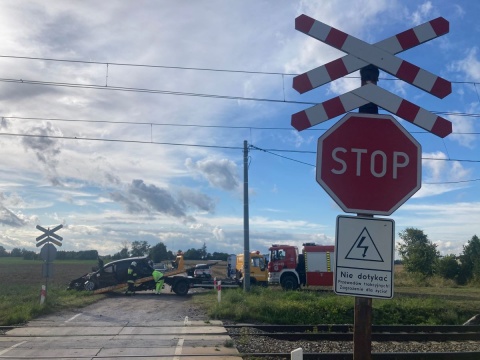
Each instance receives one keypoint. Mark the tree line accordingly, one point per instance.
(420, 255)
(156, 253)
(159, 252)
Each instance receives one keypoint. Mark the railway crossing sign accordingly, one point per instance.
(48, 252)
(49, 236)
(382, 55)
(364, 249)
(366, 173)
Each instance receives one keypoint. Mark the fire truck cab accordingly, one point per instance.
(313, 267)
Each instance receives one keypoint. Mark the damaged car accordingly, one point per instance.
(115, 273)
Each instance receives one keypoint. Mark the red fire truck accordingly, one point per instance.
(313, 267)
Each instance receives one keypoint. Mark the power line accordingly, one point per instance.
(149, 91)
(426, 183)
(284, 157)
(121, 141)
(146, 65)
(193, 125)
(450, 182)
(196, 145)
(108, 63)
(223, 147)
(181, 93)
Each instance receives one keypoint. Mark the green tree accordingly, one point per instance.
(219, 256)
(193, 254)
(123, 253)
(418, 253)
(140, 248)
(16, 252)
(158, 253)
(470, 260)
(3, 252)
(203, 251)
(448, 267)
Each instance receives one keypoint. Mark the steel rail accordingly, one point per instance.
(381, 337)
(375, 356)
(306, 356)
(349, 328)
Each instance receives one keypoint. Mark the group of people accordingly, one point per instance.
(132, 276)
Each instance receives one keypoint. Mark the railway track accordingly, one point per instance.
(335, 342)
(465, 340)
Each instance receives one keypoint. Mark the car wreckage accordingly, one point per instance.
(115, 273)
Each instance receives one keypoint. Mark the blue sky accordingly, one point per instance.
(118, 152)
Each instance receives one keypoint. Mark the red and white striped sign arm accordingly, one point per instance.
(327, 110)
(383, 98)
(349, 63)
(374, 55)
(405, 109)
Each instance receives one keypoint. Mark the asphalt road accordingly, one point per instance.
(144, 326)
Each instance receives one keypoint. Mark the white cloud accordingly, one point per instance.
(440, 176)
(449, 224)
(469, 65)
(439, 170)
(464, 128)
(220, 173)
(423, 13)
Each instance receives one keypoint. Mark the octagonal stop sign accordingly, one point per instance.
(369, 164)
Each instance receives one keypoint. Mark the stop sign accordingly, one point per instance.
(369, 164)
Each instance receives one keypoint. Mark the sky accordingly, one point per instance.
(126, 120)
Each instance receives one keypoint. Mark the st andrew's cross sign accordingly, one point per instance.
(382, 55)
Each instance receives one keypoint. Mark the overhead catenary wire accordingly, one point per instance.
(167, 92)
(197, 145)
(149, 123)
(424, 182)
(190, 94)
(112, 63)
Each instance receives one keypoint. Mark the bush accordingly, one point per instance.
(448, 267)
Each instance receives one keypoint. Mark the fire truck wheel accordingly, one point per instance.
(289, 282)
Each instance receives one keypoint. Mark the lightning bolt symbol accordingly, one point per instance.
(365, 248)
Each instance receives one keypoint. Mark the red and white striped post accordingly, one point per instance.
(219, 291)
(43, 294)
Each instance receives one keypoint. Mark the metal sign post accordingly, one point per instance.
(362, 325)
(48, 253)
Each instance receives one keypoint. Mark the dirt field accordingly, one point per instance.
(29, 272)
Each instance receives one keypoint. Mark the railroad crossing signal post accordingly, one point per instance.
(386, 169)
(362, 326)
(48, 253)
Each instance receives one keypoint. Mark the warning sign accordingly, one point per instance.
(364, 257)
(364, 248)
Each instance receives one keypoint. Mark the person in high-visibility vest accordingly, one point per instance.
(158, 278)
(131, 276)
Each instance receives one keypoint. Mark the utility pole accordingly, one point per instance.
(246, 234)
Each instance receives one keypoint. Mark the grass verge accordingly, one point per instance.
(274, 306)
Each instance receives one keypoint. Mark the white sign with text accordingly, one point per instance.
(364, 251)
